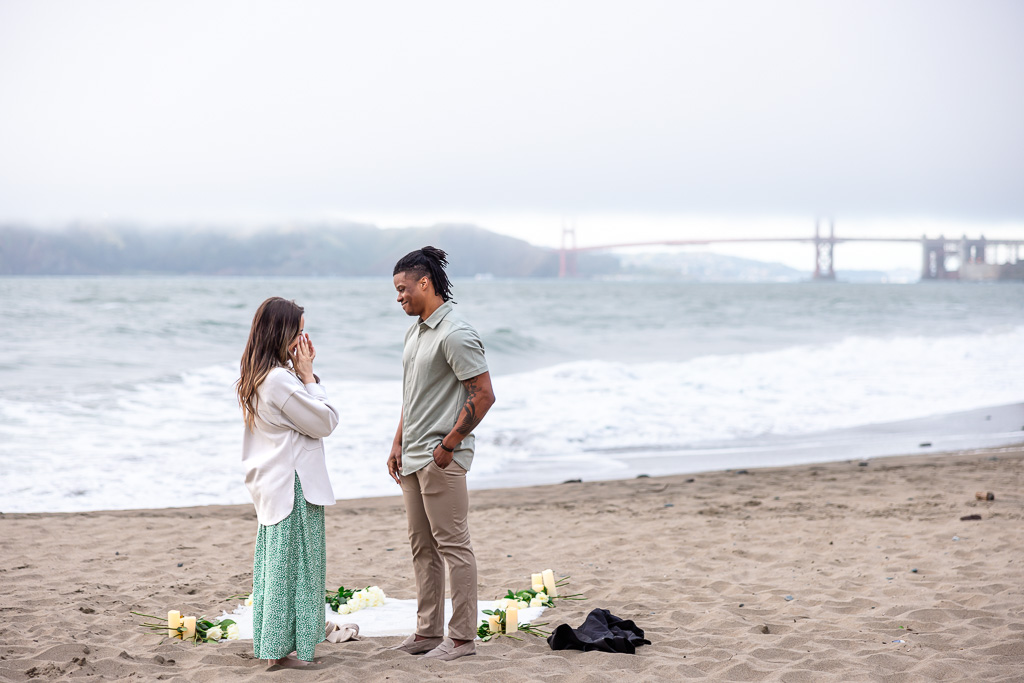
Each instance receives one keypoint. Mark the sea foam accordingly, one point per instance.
(176, 441)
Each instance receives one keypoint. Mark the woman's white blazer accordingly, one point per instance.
(292, 420)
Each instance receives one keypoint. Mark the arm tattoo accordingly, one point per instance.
(470, 421)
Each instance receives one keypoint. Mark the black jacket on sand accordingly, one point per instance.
(601, 631)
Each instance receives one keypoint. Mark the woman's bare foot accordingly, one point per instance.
(289, 662)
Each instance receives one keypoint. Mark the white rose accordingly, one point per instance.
(521, 604)
(248, 601)
(232, 631)
(537, 602)
(344, 609)
(215, 633)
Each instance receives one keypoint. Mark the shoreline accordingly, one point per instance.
(704, 563)
(377, 502)
(996, 426)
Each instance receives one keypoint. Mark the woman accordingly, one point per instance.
(287, 415)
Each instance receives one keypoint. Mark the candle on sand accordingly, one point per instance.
(511, 619)
(173, 622)
(493, 624)
(190, 627)
(549, 583)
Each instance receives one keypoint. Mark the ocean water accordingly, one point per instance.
(117, 393)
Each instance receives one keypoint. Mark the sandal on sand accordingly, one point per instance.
(340, 634)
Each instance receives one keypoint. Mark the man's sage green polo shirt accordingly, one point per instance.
(440, 353)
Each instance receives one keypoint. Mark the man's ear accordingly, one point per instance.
(423, 282)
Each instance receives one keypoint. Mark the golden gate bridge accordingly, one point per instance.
(977, 259)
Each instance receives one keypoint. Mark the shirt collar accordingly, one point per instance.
(437, 316)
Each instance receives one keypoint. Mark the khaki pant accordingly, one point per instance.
(437, 507)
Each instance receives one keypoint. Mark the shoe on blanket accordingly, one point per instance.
(448, 651)
(417, 647)
(340, 634)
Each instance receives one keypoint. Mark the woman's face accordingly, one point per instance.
(295, 342)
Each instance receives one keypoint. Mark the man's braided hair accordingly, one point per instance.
(429, 261)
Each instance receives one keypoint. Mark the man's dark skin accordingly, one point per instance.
(418, 297)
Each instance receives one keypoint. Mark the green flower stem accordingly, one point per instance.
(150, 616)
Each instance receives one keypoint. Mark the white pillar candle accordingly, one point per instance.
(173, 622)
(536, 579)
(493, 624)
(190, 627)
(511, 619)
(549, 583)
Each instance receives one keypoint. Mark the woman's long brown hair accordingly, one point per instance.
(276, 324)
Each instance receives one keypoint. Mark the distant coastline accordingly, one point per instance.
(344, 249)
(340, 249)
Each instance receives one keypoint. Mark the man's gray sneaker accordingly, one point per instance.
(447, 650)
(417, 647)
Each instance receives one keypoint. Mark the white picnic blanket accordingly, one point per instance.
(393, 618)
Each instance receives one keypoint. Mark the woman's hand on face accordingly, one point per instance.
(302, 360)
(312, 351)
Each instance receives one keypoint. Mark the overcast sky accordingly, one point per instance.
(635, 119)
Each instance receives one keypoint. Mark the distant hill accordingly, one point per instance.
(706, 267)
(346, 249)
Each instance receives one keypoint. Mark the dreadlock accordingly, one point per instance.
(429, 261)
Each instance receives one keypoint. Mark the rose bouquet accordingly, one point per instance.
(526, 598)
(504, 622)
(545, 583)
(201, 630)
(348, 600)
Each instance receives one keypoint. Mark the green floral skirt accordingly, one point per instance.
(288, 583)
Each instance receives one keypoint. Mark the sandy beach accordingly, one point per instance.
(847, 571)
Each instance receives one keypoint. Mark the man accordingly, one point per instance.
(446, 391)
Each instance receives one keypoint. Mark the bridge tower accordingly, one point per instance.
(567, 254)
(936, 252)
(824, 268)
